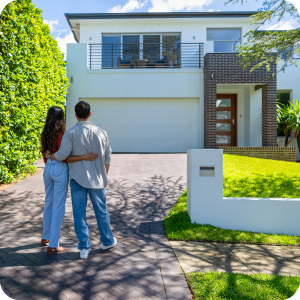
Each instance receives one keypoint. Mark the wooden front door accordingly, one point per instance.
(226, 120)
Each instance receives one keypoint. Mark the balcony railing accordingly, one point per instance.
(154, 55)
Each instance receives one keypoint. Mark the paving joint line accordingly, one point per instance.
(162, 277)
(239, 259)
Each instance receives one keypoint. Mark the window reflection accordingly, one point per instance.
(171, 49)
(223, 127)
(151, 47)
(223, 115)
(225, 40)
(223, 103)
(111, 50)
(223, 139)
(131, 47)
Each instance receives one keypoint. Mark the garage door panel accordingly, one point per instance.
(156, 117)
(152, 145)
(148, 125)
(143, 131)
(141, 105)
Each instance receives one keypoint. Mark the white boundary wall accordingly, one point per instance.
(206, 205)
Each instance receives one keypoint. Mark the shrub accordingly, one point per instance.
(32, 79)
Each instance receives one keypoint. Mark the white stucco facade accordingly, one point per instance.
(161, 106)
(191, 30)
(171, 88)
(288, 81)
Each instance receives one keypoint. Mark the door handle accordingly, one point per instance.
(233, 121)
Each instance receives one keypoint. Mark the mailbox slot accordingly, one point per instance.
(207, 171)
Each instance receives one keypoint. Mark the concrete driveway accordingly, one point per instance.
(142, 189)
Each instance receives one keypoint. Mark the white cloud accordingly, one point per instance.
(281, 25)
(131, 5)
(51, 24)
(62, 30)
(210, 10)
(178, 5)
(63, 41)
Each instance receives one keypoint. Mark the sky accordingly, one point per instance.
(54, 10)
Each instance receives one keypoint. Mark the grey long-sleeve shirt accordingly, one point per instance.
(85, 137)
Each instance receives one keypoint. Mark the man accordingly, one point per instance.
(88, 177)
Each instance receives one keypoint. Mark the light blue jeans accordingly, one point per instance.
(56, 178)
(79, 202)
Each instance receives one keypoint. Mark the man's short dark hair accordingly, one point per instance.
(82, 110)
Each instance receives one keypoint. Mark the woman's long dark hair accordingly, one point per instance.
(55, 123)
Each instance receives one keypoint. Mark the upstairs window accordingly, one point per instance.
(156, 48)
(111, 50)
(291, 53)
(225, 40)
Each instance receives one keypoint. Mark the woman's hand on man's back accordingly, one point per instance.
(90, 156)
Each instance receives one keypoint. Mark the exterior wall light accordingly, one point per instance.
(212, 75)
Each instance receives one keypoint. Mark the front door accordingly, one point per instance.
(226, 120)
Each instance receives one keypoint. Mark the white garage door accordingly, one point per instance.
(147, 125)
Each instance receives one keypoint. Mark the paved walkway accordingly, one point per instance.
(238, 258)
(142, 190)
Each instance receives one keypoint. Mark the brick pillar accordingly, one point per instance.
(269, 122)
(210, 96)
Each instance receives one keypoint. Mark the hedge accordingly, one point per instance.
(32, 79)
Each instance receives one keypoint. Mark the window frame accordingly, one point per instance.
(141, 39)
(224, 28)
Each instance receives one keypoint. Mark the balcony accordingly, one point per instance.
(145, 55)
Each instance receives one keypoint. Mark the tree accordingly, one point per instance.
(282, 121)
(265, 47)
(32, 78)
(288, 120)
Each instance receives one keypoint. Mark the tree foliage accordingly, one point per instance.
(271, 46)
(288, 120)
(32, 78)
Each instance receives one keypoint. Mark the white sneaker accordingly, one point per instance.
(84, 253)
(107, 247)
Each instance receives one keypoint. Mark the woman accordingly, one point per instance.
(56, 178)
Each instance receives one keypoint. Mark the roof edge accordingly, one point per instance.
(72, 30)
(158, 15)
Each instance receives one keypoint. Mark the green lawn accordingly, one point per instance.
(214, 285)
(243, 177)
(255, 177)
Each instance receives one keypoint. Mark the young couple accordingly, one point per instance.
(82, 153)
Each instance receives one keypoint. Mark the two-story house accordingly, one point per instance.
(168, 82)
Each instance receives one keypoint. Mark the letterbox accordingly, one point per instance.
(207, 171)
(204, 183)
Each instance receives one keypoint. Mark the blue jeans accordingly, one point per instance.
(56, 178)
(79, 202)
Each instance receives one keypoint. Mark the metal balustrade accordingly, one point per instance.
(145, 55)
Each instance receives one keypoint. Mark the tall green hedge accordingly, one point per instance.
(32, 78)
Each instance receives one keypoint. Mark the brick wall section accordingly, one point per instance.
(225, 70)
(275, 153)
